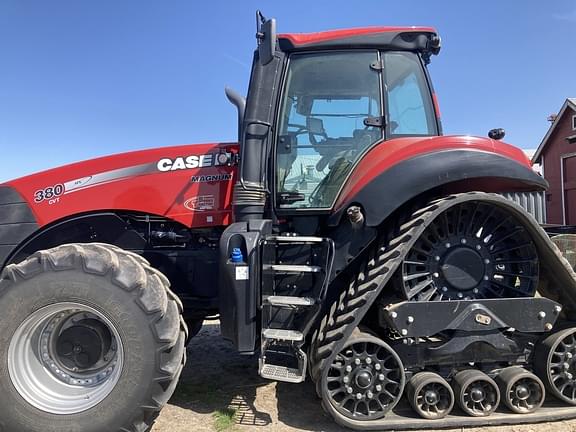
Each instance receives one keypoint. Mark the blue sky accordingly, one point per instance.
(80, 79)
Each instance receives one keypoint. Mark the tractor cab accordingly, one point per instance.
(318, 102)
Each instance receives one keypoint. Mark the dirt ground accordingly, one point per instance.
(221, 391)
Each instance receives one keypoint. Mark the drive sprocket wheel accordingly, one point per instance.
(555, 363)
(366, 379)
(472, 250)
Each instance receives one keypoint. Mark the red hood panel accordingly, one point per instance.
(389, 153)
(191, 184)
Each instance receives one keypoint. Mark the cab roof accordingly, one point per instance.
(422, 39)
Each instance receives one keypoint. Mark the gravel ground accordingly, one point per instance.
(221, 391)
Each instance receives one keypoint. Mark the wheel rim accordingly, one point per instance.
(365, 381)
(479, 398)
(473, 250)
(525, 395)
(65, 358)
(561, 365)
(433, 399)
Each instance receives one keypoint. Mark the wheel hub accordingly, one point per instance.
(463, 268)
(477, 394)
(431, 397)
(65, 358)
(522, 392)
(364, 379)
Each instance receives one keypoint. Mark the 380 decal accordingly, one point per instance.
(48, 193)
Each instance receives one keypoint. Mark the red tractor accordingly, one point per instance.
(344, 238)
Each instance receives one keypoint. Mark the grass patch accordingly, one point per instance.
(224, 419)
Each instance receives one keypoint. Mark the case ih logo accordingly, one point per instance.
(200, 203)
(193, 161)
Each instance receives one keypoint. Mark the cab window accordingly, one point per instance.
(409, 106)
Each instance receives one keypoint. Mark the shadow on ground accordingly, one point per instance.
(217, 379)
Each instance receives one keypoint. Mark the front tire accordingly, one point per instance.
(91, 339)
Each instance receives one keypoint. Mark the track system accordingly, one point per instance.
(517, 266)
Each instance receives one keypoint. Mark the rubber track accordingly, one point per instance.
(151, 291)
(352, 305)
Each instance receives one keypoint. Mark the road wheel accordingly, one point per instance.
(91, 340)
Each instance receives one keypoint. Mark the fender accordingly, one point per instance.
(387, 178)
(94, 227)
(17, 221)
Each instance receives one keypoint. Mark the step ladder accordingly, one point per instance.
(295, 272)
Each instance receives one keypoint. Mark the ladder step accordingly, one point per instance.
(282, 373)
(280, 334)
(296, 239)
(291, 268)
(289, 301)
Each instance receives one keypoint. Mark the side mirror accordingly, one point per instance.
(266, 35)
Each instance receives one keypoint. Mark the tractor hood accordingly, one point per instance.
(191, 184)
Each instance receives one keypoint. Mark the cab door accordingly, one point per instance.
(330, 114)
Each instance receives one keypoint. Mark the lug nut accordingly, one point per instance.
(566, 365)
(378, 388)
(437, 257)
(377, 366)
(348, 368)
(448, 245)
(381, 377)
(349, 390)
(346, 380)
(486, 261)
(436, 275)
(369, 395)
(478, 247)
(358, 396)
(486, 277)
(569, 375)
(475, 290)
(569, 355)
(460, 295)
(463, 241)
(368, 360)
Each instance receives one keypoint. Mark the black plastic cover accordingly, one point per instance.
(17, 221)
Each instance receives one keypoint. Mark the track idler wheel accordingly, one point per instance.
(555, 363)
(476, 393)
(366, 379)
(521, 390)
(430, 395)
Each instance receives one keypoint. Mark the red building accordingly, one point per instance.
(557, 155)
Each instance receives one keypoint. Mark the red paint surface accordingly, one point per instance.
(156, 192)
(309, 38)
(389, 153)
(165, 193)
